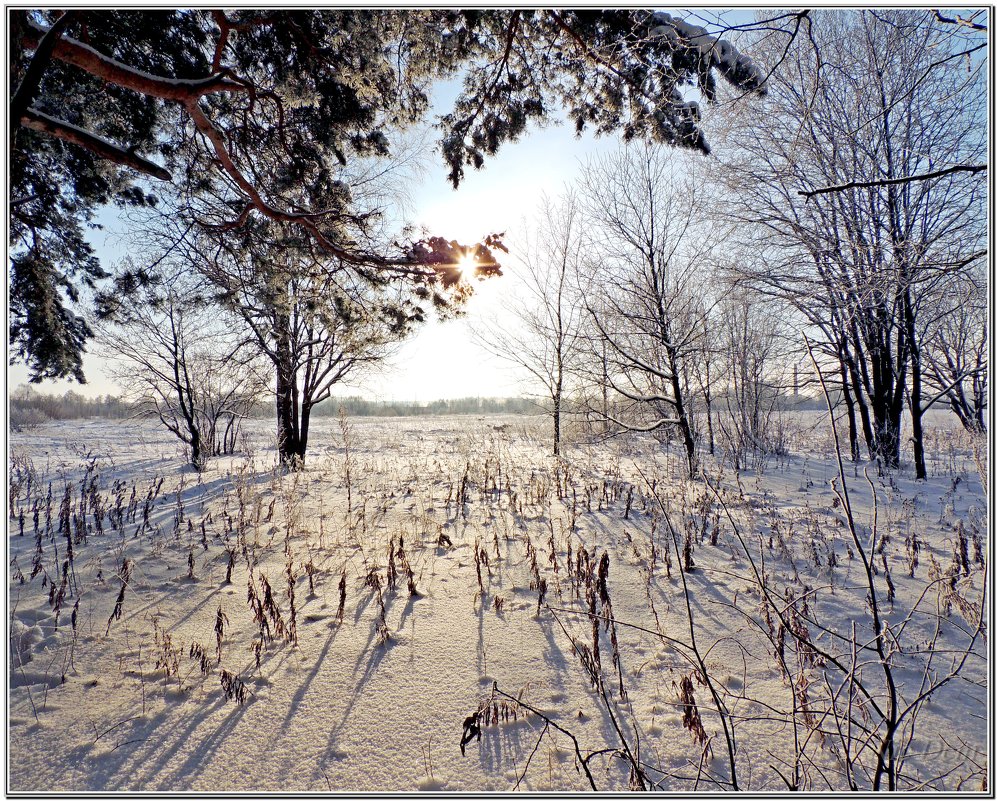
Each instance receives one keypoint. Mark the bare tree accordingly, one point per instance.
(543, 336)
(312, 318)
(748, 373)
(955, 351)
(881, 97)
(176, 360)
(312, 322)
(647, 267)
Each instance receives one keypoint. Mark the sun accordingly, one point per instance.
(467, 265)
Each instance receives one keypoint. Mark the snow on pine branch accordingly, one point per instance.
(736, 67)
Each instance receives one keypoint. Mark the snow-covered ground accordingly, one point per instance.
(162, 675)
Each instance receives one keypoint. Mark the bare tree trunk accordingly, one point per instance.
(856, 387)
(605, 388)
(685, 425)
(557, 424)
(853, 434)
(306, 411)
(196, 457)
(921, 471)
(917, 424)
(708, 398)
(288, 434)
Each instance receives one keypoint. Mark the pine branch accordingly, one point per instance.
(37, 121)
(28, 87)
(90, 60)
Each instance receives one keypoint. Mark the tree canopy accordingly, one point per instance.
(252, 113)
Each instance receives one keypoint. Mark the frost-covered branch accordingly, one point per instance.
(926, 176)
(37, 121)
(958, 20)
(89, 59)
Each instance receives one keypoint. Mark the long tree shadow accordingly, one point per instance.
(140, 767)
(371, 655)
(302, 690)
(555, 656)
(206, 490)
(481, 654)
(376, 654)
(505, 745)
(205, 750)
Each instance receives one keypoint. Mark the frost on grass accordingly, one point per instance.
(440, 606)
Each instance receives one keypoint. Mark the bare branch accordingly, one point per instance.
(926, 176)
(969, 23)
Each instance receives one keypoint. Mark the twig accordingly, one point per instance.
(530, 758)
(578, 752)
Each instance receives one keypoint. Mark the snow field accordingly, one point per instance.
(376, 701)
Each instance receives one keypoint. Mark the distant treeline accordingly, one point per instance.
(29, 407)
(360, 407)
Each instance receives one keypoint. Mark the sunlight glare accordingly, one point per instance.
(467, 265)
